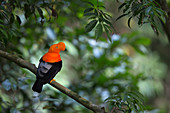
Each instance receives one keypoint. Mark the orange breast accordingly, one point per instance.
(52, 57)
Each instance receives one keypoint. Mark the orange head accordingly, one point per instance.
(57, 47)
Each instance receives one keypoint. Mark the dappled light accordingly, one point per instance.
(117, 56)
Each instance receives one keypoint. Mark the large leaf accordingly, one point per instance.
(90, 25)
(98, 31)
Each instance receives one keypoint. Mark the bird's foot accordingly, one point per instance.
(52, 80)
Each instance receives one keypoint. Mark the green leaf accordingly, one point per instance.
(127, 6)
(92, 17)
(162, 18)
(161, 14)
(154, 27)
(101, 6)
(147, 10)
(120, 7)
(13, 110)
(135, 7)
(140, 19)
(107, 33)
(5, 15)
(89, 14)
(40, 12)
(141, 106)
(138, 94)
(96, 12)
(27, 10)
(107, 16)
(90, 25)
(4, 33)
(18, 19)
(138, 50)
(138, 11)
(11, 18)
(108, 27)
(131, 104)
(4, 10)
(136, 97)
(129, 21)
(143, 41)
(88, 10)
(108, 22)
(98, 31)
(90, 3)
(121, 16)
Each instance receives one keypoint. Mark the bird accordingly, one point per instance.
(49, 65)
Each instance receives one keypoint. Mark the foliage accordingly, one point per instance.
(99, 19)
(97, 70)
(127, 101)
(11, 14)
(146, 11)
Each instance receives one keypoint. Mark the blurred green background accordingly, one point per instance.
(135, 59)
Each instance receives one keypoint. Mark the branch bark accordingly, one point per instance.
(24, 64)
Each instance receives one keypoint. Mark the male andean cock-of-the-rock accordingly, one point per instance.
(50, 64)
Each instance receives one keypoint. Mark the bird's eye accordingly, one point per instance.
(56, 47)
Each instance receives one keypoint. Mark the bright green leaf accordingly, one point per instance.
(143, 41)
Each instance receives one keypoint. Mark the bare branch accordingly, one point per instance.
(24, 64)
(18, 61)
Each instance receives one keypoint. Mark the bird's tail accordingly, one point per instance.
(37, 87)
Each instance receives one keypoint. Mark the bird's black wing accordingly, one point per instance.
(47, 71)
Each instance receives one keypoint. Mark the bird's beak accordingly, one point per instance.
(65, 50)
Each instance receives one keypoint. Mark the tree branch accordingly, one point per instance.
(22, 63)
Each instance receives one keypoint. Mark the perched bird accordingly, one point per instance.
(50, 64)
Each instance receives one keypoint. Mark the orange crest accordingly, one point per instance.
(55, 48)
(53, 55)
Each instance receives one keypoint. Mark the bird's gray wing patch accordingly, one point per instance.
(44, 67)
